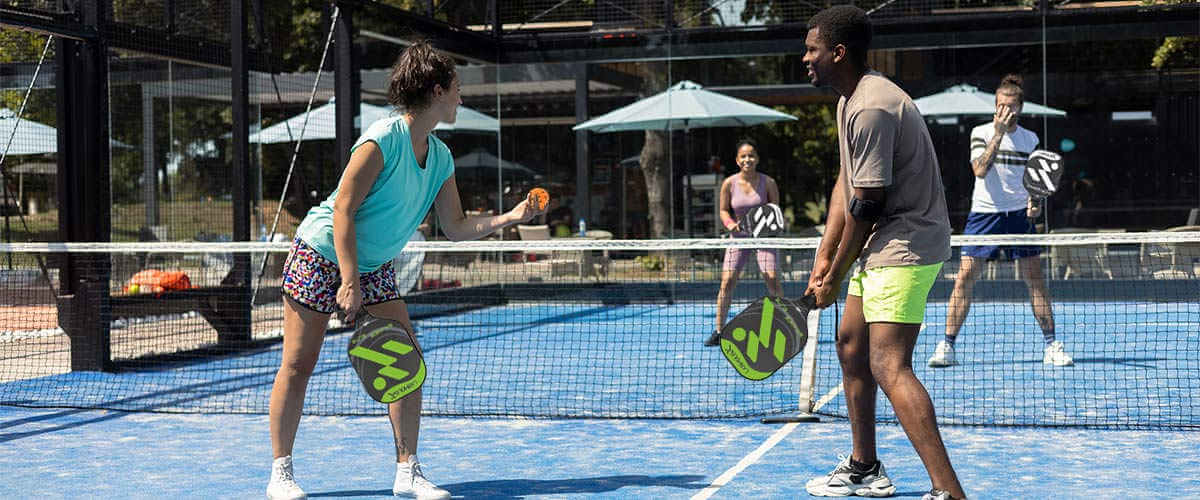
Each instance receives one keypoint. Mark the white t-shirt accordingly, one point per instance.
(1002, 189)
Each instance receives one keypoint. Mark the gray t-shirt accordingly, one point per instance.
(884, 143)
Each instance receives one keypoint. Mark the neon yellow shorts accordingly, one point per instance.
(894, 294)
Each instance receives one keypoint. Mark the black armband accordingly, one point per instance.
(866, 210)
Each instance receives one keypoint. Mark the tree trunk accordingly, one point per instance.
(658, 181)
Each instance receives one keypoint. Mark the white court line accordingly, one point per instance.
(828, 397)
(724, 478)
(762, 449)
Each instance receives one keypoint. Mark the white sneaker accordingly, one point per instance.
(845, 482)
(283, 484)
(1056, 355)
(943, 355)
(411, 483)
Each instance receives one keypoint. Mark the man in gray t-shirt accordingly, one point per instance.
(884, 144)
(888, 210)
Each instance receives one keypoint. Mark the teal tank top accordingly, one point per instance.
(396, 203)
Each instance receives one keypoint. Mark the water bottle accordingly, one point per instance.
(582, 227)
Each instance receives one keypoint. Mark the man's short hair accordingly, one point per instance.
(844, 25)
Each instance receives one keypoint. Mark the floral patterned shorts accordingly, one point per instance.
(313, 280)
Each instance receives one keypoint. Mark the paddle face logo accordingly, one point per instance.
(1042, 172)
(389, 370)
(757, 350)
(767, 220)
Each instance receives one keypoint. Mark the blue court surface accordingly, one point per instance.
(1135, 366)
(105, 454)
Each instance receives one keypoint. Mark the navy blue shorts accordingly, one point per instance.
(1014, 222)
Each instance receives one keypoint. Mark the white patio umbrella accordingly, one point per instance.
(480, 168)
(469, 120)
(32, 138)
(322, 124)
(965, 99)
(684, 106)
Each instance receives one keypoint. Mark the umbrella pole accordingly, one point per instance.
(624, 186)
(687, 185)
(499, 156)
(671, 190)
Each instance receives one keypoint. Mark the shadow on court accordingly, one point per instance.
(66, 414)
(526, 325)
(520, 488)
(1133, 362)
(351, 494)
(151, 401)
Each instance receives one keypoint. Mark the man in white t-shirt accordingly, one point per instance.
(1000, 205)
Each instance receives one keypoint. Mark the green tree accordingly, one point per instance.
(18, 46)
(653, 157)
(808, 148)
(1177, 52)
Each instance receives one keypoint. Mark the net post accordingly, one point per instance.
(230, 312)
(808, 378)
(808, 373)
(81, 316)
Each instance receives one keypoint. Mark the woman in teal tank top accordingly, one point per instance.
(341, 258)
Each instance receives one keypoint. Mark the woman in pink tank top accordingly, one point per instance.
(740, 193)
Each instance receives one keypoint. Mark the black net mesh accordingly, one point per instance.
(598, 329)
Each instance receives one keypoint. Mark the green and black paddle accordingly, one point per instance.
(766, 335)
(384, 356)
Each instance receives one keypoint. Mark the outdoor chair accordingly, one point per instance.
(559, 264)
(1080, 260)
(1171, 260)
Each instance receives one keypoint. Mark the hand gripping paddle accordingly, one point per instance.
(763, 221)
(1043, 170)
(766, 335)
(385, 359)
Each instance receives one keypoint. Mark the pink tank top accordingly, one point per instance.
(742, 201)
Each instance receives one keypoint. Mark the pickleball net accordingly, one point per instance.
(584, 327)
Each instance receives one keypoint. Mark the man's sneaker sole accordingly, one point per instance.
(864, 491)
(941, 364)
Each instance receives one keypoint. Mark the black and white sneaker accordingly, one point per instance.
(846, 481)
(714, 339)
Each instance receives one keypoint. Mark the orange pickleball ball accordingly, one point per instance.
(539, 198)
